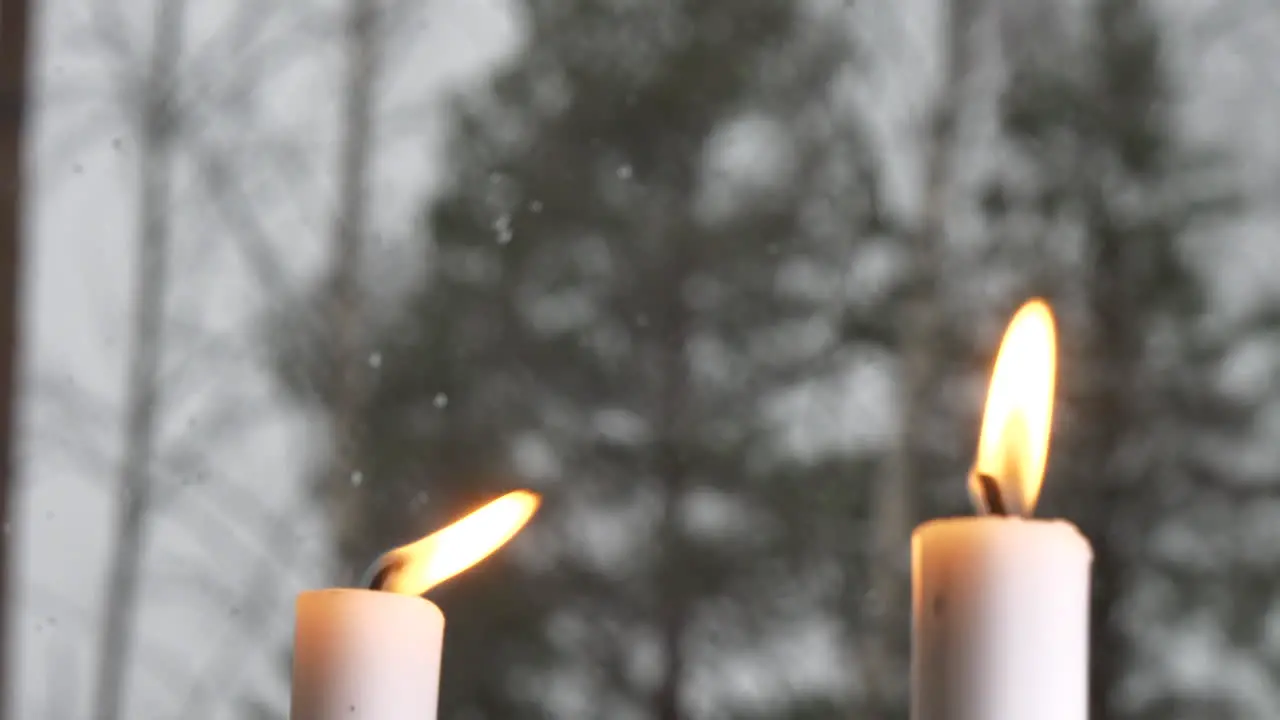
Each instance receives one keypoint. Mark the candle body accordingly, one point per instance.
(364, 654)
(1000, 620)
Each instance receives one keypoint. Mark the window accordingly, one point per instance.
(723, 282)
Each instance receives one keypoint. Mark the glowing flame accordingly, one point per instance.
(1014, 444)
(419, 566)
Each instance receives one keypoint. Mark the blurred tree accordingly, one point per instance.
(134, 496)
(153, 88)
(1113, 196)
(362, 31)
(927, 360)
(639, 250)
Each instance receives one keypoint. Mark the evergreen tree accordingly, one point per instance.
(1114, 197)
(639, 249)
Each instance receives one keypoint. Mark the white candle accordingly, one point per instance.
(1000, 603)
(1001, 620)
(375, 653)
(366, 654)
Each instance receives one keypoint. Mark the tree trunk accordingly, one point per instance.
(1116, 350)
(14, 30)
(142, 393)
(350, 226)
(673, 607)
(673, 383)
(885, 659)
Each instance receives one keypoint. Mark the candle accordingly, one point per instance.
(365, 654)
(1000, 602)
(374, 653)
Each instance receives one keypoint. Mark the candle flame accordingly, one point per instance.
(1014, 444)
(415, 568)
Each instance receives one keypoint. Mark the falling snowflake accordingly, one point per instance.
(624, 172)
(357, 479)
(502, 228)
(441, 400)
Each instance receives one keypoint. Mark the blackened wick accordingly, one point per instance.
(379, 579)
(991, 495)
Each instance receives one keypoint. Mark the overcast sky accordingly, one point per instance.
(206, 558)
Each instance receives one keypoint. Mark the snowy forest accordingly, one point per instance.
(723, 282)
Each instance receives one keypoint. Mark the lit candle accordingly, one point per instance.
(1000, 602)
(375, 653)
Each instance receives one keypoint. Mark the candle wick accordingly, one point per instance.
(991, 497)
(378, 580)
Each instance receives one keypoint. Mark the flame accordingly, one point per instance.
(1014, 444)
(419, 566)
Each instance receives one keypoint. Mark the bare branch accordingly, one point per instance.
(226, 666)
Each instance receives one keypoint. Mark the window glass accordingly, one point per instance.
(722, 282)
